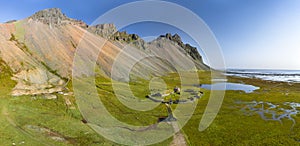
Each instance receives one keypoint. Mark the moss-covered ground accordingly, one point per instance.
(33, 120)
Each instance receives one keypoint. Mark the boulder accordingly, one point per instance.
(50, 96)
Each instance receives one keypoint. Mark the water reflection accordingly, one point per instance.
(229, 86)
(272, 112)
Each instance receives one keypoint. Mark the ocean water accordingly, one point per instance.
(273, 75)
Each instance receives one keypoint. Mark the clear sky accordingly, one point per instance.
(253, 34)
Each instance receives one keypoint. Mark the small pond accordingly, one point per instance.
(229, 86)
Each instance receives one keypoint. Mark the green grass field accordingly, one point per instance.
(33, 120)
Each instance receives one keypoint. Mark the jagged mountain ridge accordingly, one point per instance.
(40, 50)
(54, 16)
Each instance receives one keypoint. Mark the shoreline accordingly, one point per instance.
(279, 76)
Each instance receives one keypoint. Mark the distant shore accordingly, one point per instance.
(291, 76)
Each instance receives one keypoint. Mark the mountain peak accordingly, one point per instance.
(54, 16)
(175, 38)
(192, 51)
(104, 30)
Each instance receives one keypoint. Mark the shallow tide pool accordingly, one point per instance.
(229, 86)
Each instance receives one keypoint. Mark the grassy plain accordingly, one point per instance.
(33, 120)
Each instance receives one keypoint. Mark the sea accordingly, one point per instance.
(292, 76)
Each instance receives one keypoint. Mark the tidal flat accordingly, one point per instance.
(34, 120)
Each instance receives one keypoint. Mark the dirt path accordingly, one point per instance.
(178, 138)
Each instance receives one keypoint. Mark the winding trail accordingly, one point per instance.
(178, 137)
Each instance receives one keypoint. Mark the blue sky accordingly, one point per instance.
(252, 33)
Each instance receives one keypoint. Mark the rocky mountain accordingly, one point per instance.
(54, 16)
(192, 51)
(104, 30)
(40, 50)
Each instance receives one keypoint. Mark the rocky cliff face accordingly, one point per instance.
(54, 16)
(192, 51)
(40, 49)
(133, 39)
(109, 31)
(104, 30)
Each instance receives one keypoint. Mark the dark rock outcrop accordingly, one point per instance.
(104, 30)
(124, 36)
(109, 31)
(54, 16)
(192, 51)
(11, 21)
(133, 39)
